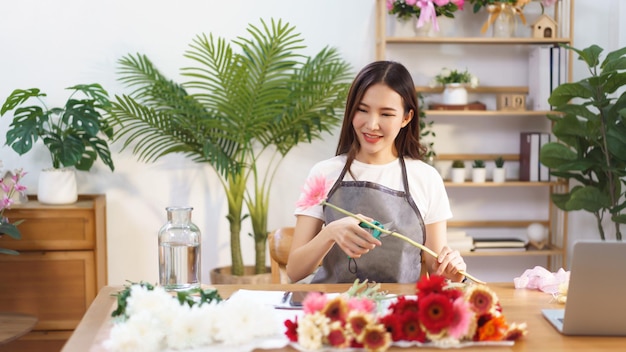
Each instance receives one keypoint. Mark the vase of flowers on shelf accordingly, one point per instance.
(455, 85)
(422, 14)
(503, 14)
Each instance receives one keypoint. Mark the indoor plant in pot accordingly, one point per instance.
(458, 171)
(478, 171)
(591, 133)
(71, 133)
(455, 83)
(254, 97)
(499, 172)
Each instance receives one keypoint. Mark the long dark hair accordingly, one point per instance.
(397, 77)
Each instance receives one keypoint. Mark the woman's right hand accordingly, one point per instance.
(350, 237)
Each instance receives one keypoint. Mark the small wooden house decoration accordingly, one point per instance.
(544, 27)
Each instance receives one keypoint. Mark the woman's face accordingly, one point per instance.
(377, 122)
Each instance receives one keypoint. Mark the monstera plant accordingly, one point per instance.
(591, 131)
(241, 100)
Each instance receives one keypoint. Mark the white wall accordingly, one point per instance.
(56, 44)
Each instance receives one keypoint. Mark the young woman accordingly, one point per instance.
(377, 172)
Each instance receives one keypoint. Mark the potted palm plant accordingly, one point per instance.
(252, 97)
(591, 133)
(71, 133)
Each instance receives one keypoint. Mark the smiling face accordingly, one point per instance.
(377, 122)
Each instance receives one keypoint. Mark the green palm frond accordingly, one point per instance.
(241, 99)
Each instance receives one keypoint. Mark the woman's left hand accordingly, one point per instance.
(449, 263)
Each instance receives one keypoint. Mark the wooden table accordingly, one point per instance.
(14, 325)
(519, 306)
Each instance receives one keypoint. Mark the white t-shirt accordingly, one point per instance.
(425, 184)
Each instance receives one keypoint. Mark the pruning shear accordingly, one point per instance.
(376, 232)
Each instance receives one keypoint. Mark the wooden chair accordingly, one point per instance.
(279, 242)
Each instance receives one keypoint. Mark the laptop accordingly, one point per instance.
(596, 304)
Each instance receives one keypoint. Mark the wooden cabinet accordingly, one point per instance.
(61, 267)
(502, 66)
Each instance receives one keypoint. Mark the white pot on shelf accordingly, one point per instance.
(457, 175)
(57, 186)
(479, 175)
(454, 94)
(499, 175)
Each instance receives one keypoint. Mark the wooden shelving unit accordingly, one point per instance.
(553, 218)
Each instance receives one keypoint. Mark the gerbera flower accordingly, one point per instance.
(461, 318)
(364, 305)
(411, 328)
(430, 284)
(356, 323)
(337, 336)
(481, 299)
(314, 302)
(314, 192)
(493, 330)
(516, 332)
(376, 338)
(435, 312)
(403, 305)
(336, 309)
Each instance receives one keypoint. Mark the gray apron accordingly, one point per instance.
(396, 260)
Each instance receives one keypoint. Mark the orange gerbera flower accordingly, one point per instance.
(336, 309)
(493, 330)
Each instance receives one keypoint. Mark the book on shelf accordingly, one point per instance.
(529, 156)
(499, 249)
(500, 242)
(544, 171)
(460, 241)
(539, 78)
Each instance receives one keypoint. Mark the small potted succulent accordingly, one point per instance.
(499, 173)
(479, 171)
(72, 134)
(458, 171)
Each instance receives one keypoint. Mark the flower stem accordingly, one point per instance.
(398, 235)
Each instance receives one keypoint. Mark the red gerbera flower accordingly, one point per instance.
(337, 336)
(411, 328)
(403, 305)
(292, 329)
(430, 284)
(435, 312)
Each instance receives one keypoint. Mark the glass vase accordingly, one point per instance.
(505, 22)
(179, 251)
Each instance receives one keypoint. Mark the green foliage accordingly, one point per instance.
(426, 129)
(192, 297)
(253, 96)
(71, 133)
(404, 11)
(592, 138)
(478, 164)
(499, 162)
(458, 164)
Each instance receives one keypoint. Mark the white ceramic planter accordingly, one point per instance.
(499, 175)
(57, 186)
(455, 94)
(479, 175)
(457, 175)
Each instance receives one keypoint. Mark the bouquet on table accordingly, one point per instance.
(442, 314)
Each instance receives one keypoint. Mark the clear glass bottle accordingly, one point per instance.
(179, 251)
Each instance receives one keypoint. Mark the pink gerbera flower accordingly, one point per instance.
(314, 302)
(461, 318)
(314, 192)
